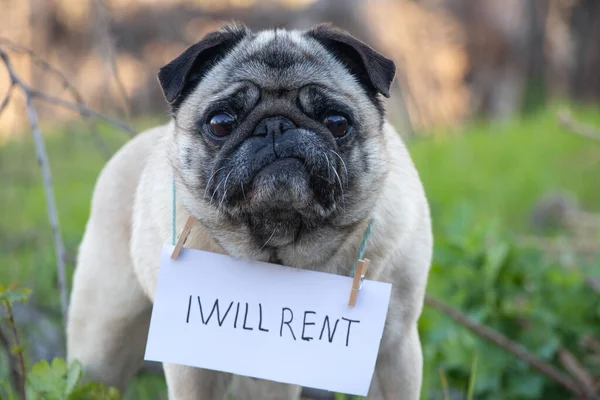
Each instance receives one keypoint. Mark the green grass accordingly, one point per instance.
(499, 171)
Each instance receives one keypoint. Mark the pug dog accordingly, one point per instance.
(280, 148)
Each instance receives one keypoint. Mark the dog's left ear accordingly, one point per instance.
(371, 68)
(186, 71)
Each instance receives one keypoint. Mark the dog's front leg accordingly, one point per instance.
(399, 368)
(188, 383)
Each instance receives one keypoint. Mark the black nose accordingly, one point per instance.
(273, 126)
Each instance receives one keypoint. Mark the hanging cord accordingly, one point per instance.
(361, 249)
(173, 213)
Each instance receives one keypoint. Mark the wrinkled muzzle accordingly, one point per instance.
(280, 166)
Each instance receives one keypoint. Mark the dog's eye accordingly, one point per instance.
(337, 125)
(221, 125)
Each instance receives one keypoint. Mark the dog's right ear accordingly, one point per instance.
(182, 74)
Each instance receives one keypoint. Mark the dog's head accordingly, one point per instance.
(279, 131)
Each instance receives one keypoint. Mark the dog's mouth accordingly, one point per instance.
(283, 166)
(292, 173)
(285, 182)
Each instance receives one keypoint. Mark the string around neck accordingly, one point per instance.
(359, 255)
(363, 246)
(173, 212)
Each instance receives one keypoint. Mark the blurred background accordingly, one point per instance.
(497, 101)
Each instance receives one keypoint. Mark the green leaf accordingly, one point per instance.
(95, 391)
(59, 367)
(496, 256)
(40, 380)
(41, 367)
(14, 295)
(473, 378)
(50, 380)
(73, 376)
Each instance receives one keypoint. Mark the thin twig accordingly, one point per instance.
(19, 351)
(45, 66)
(15, 373)
(578, 128)
(6, 98)
(577, 371)
(512, 347)
(106, 45)
(71, 89)
(42, 157)
(81, 109)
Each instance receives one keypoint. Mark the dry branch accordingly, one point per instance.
(44, 66)
(41, 153)
(79, 104)
(107, 48)
(82, 109)
(512, 347)
(13, 361)
(42, 157)
(571, 364)
(566, 120)
(7, 98)
(15, 351)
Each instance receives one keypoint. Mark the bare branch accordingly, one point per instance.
(81, 109)
(19, 351)
(15, 373)
(7, 98)
(566, 120)
(42, 157)
(107, 47)
(512, 347)
(578, 372)
(47, 67)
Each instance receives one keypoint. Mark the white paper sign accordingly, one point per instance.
(266, 321)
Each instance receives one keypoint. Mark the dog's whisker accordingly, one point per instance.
(340, 182)
(243, 193)
(216, 189)
(265, 244)
(210, 179)
(225, 187)
(343, 163)
(329, 178)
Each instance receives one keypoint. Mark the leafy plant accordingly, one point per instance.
(44, 381)
(537, 303)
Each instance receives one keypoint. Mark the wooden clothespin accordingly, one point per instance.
(359, 277)
(185, 232)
